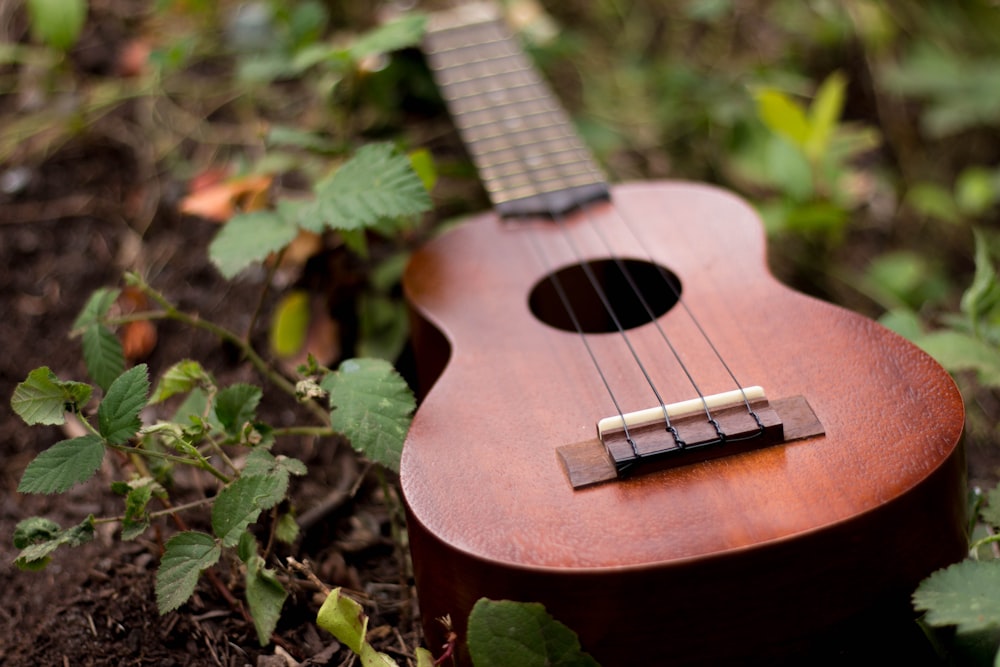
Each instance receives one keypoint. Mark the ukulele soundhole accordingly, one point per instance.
(637, 291)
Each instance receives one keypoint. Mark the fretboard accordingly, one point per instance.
(525, 148)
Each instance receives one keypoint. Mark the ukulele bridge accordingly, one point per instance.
(688, 432)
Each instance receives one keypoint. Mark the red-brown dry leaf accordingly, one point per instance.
(138, 340)
(219, 201)
(133, 57)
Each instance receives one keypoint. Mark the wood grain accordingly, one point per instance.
(743, 556)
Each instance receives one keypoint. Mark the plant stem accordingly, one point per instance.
(202, 464)
(318, 431)
(172, 313)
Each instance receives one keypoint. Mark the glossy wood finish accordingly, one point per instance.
(743, 557)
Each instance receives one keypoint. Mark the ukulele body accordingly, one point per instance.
(745, 557)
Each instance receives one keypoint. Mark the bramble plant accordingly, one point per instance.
(215, 429)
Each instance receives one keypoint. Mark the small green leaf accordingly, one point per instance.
(422, 162)
(376, 183)
(136, 518)
(966, 595)
(290, 323)
(96, 308)
(287, 529)
(975, 190)
(372, 405)
(180, 378)
(933, 201)
(824, 113)
(265, 597)
(118, 415)
(62, 465)
(983, 294)
(249, 238)
(505, 633)
(185, 557)
(236, 405)
(57, 23)
(345, 619)
(239, 504)
(103, 355)
(991, 512)
(783, 116)
(44, 399)
(37, 538)
(958, 351)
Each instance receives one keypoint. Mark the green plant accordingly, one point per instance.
(215, 430)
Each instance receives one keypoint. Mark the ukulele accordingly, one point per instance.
(626, 418)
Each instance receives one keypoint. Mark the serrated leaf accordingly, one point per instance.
(41, 537)
(236, 405)
(62, 465)
(263, 462)
(372, 405)
(345, 619)
(118, 415)
(248, 238)
(33, 530)
(185, 557)
(96, 308)
(239, 504)
(376, 183)
(103, 355)
(44, 399)
(966, 595)
(136, 518)
(400, 33)
(265, 597)
(180, 378)
(505, 633)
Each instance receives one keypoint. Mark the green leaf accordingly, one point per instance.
(933, 201)
(44, 399)
(239, 504)
(975, 190)
(345, 619)
(991, 512)
(249, 238)
(136, 518)
(62, 465)
(957, 351)
(422, 162)
(983, 294)
(376, 183)
(265, 597)
(236, 405)
(372, 405)
(505, 633)
(263, 462)
(57, 23)
(103, 355)
(966, 595)
(37, 538)
(180, 378)
(290, 323)
(287, 529)
(400, 33)
(96, 308)
(118, 415)
(186, 556)
(824, 115)
(783, 116)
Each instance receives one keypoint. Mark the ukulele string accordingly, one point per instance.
(568, 307)
(525, 76)
(626, 223)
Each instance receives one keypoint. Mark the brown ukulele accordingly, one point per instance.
(632, 422)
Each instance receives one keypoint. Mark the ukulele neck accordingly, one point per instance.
(521, 141)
